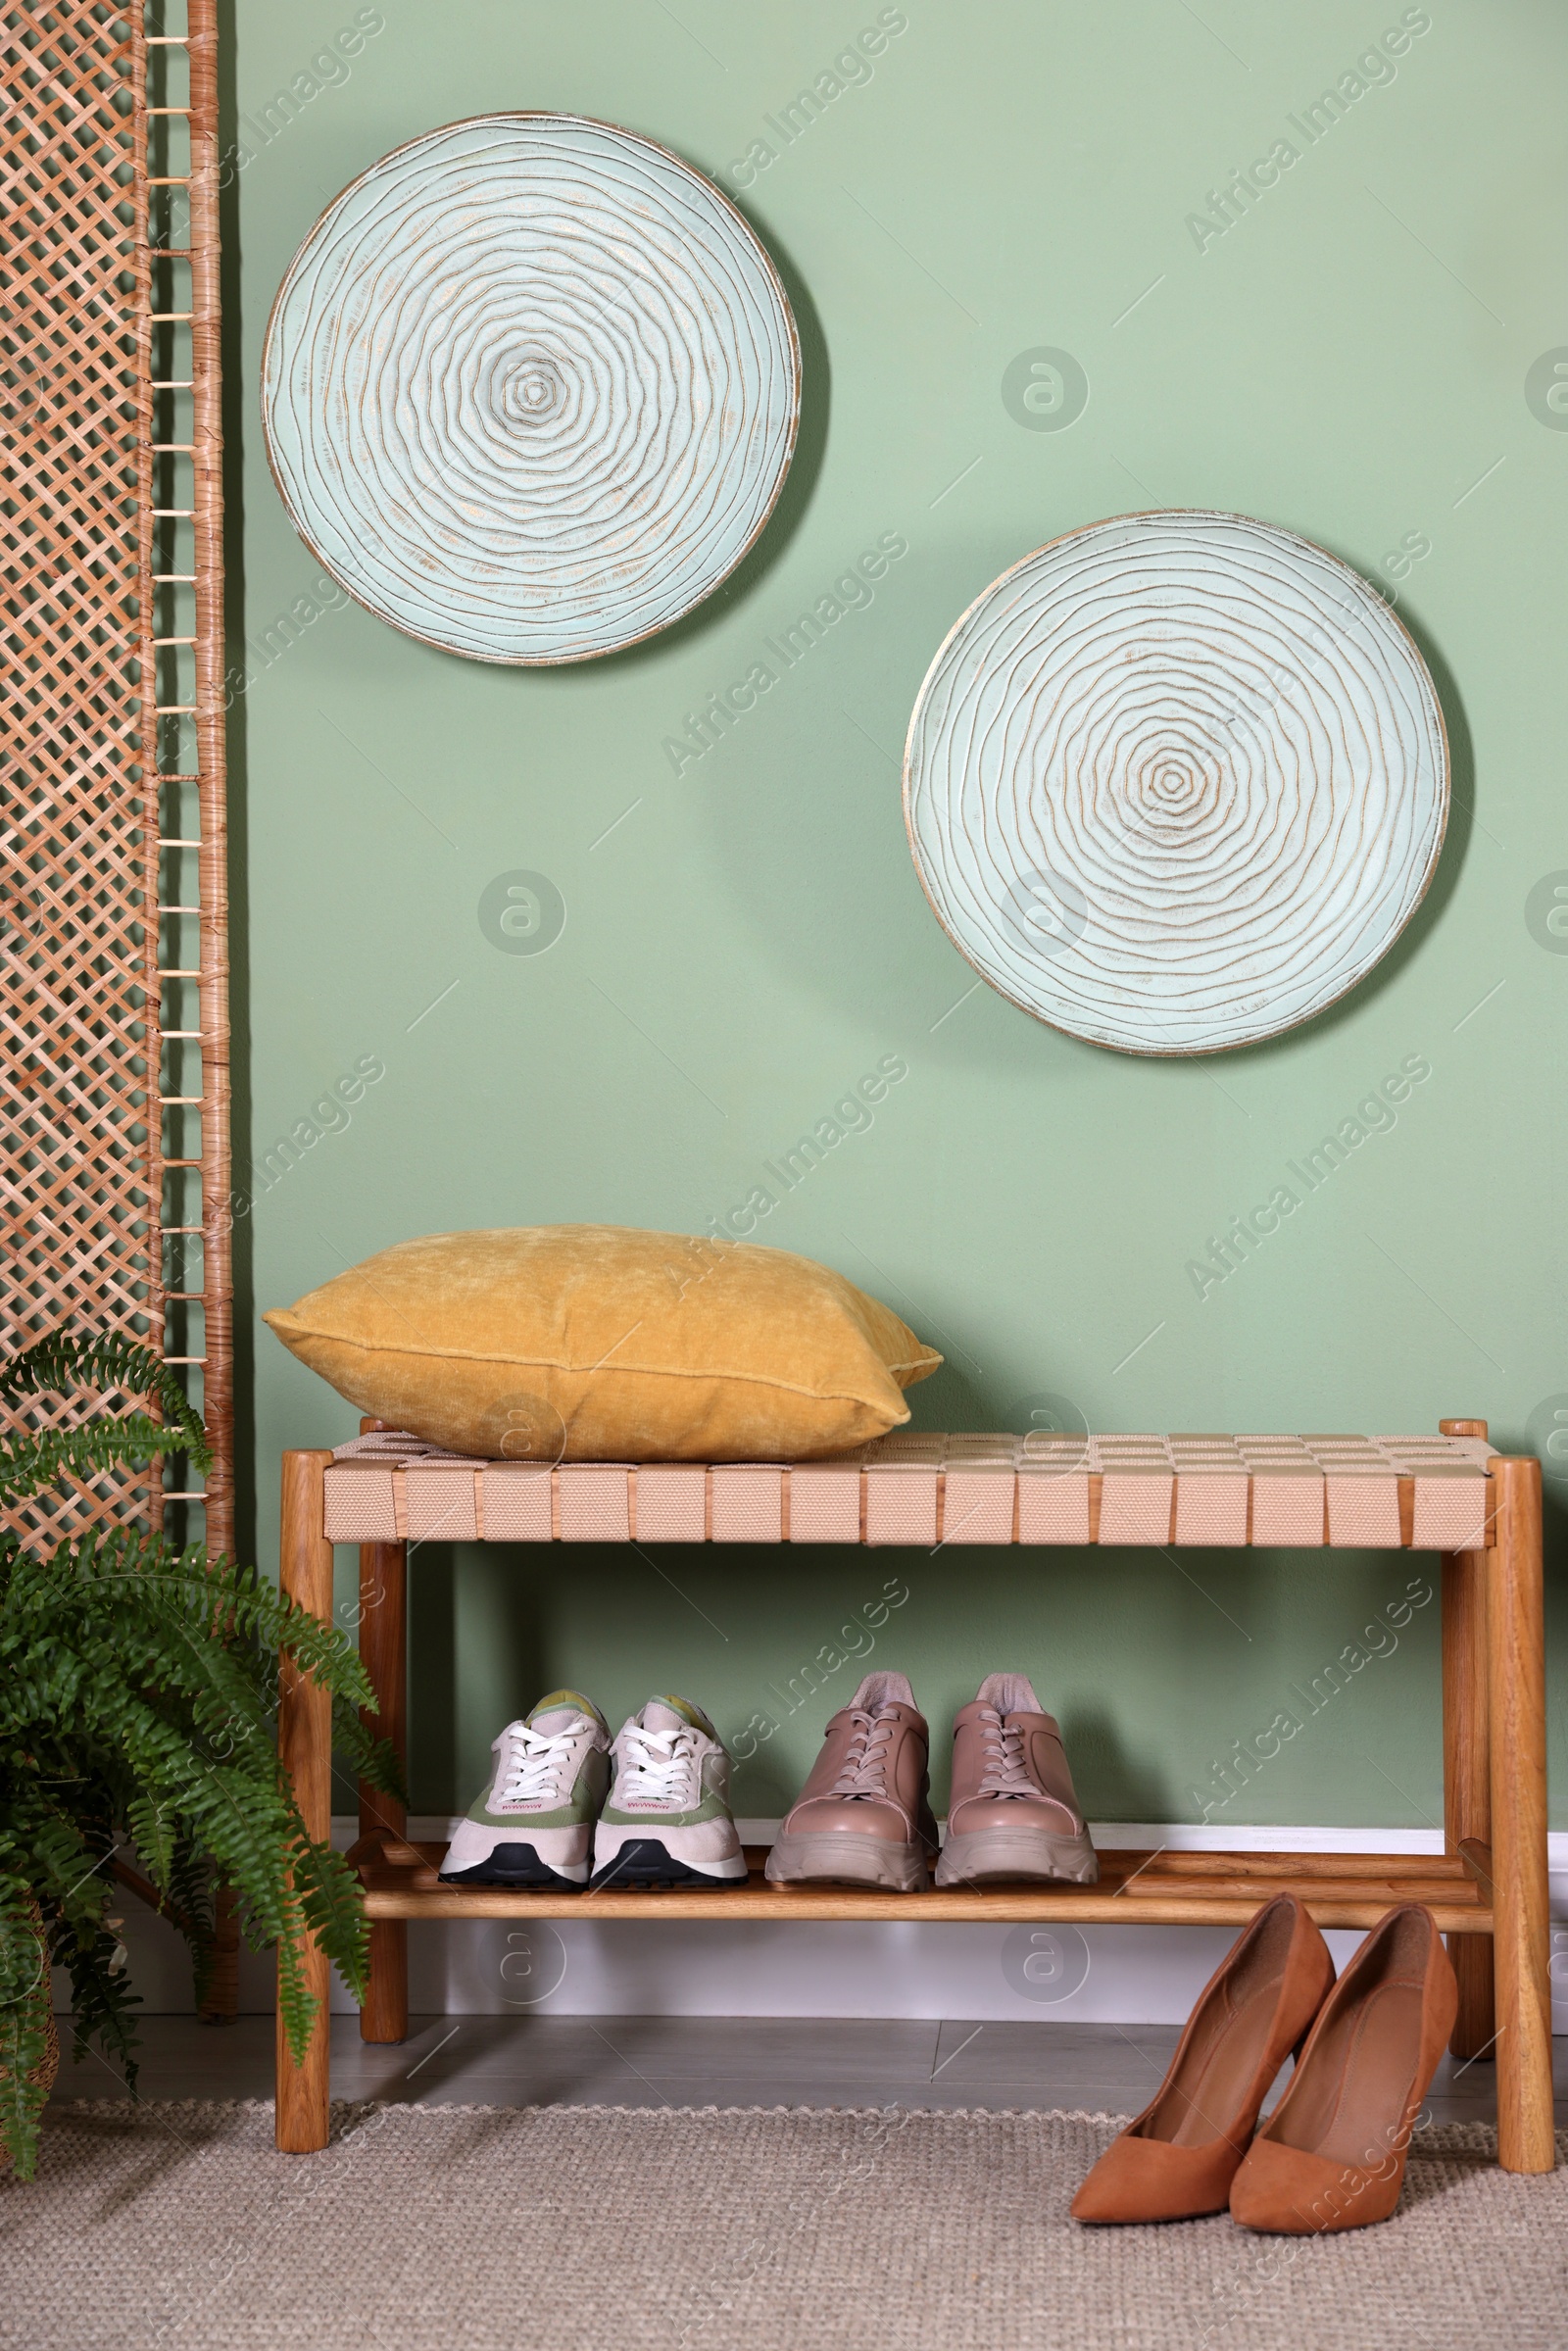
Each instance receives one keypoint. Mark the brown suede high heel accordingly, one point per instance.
(1332, 2154)
(1179, 2157)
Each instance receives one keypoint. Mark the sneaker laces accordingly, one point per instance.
(535, 1762)
(865, 1769)
(661, 1768)
(1005, 1774)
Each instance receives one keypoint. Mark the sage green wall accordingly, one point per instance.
(745, 938)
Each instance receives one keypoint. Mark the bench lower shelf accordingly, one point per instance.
(1166, 1888)
(1488, 1893)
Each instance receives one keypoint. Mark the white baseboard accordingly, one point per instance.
(613, 1967)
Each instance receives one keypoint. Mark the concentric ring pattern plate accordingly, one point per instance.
(530, 388)
(1176, 782)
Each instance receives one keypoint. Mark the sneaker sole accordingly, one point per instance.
(516, 1866)
(840, 1857)
(995, 1857)
(645, 1863)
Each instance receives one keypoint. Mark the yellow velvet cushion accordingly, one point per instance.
(595, 1343)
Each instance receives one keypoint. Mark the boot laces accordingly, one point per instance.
(1006, 1774)
(865, 1769)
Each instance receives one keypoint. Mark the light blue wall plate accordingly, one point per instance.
(530, 388)
(1176, 781)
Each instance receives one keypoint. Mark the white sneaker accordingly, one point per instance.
(667, 1818)
(534, 1824)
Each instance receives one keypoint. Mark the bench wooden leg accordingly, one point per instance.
(384, 1651)
(1467, 1765)
(304, 1744)
(1517, 1711)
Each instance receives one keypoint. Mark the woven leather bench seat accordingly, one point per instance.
(1360, 1492)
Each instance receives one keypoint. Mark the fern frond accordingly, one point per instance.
(374, 1760)
(334, 1909)
(31, 1464)
(65, 1360)
(48, 1849)
(106, 1360)
(138, 1694)
(296, 2006)
(25, 1998)
(190, 1892)
(102, 2002)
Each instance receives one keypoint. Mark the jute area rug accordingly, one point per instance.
(595, 2229)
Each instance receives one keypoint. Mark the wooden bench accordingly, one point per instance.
(1451, 1493)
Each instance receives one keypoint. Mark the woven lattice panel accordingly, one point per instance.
(78, 990)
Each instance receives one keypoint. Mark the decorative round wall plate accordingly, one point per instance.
(1176, 782)
(530, 388)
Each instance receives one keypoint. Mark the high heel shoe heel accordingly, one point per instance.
(1179, 2157)
(1332, 2154)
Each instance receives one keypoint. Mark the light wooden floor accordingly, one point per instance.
(702, 2061)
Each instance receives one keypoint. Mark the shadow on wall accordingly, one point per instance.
(1553, 1531)
(1124, 1787)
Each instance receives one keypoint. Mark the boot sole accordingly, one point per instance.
(516, 1865)
(645, 1863)
(835, 1857)
(995, 1857)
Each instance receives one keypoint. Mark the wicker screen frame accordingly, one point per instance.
(113, 1052)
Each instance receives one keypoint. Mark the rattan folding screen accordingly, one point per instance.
(114, 993)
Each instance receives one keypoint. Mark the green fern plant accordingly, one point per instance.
(138, 1696)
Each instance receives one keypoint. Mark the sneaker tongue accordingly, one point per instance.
(668, 1714)
(881, 1691)
(562, 1706)
(1010, 1693)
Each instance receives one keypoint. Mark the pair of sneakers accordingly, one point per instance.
(569, 1807)
(864, 1815)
